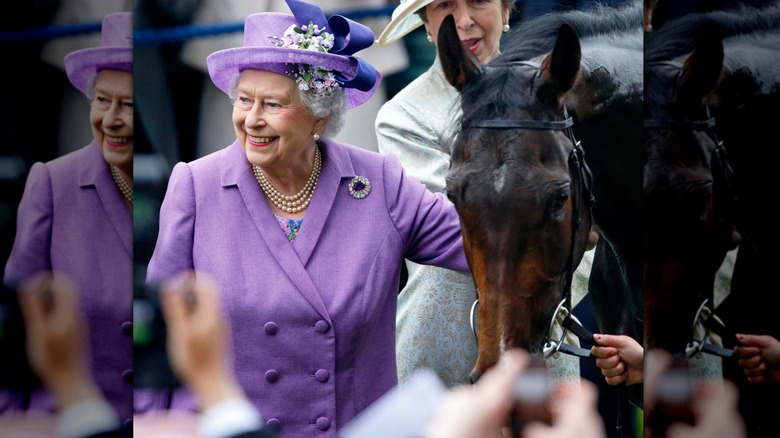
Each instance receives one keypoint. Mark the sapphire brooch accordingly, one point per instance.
(359, 187)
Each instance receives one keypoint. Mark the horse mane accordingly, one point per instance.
(536, 37)
(598, 25)
(678, 37)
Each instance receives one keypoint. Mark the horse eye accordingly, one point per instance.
(456, 191)
(697, 201)
(559, 199)
(451, 196)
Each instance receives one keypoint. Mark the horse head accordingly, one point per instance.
(689, 201)
(519, 184)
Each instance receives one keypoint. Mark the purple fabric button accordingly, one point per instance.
(127, 376)
(323, 423)
(127, 328)
(272, 376)
(270, 328)
(321, 326)
(273, 424)
(322, 376)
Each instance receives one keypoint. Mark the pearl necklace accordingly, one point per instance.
(124, 187)
(299, 201)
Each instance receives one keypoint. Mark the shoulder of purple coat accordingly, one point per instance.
(84, 165)
(175, 232)
(30, 251)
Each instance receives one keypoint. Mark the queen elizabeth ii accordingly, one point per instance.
(303, 235)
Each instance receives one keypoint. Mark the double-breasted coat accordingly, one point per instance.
(72, 219)
(312, 321)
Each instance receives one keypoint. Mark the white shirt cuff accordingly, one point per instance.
(85, 418)
(228, 418)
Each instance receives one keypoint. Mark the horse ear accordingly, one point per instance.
(702, 68)
(559, 69)
(459, 64)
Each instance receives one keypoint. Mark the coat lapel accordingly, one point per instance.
(236, 171)
(335, 166)
(93, 171)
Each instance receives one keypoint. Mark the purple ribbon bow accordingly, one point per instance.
(348, 37)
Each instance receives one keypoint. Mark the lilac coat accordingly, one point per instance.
(72, 219)
(313, 321)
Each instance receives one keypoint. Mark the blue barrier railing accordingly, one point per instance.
(49, 32)
(163, 35)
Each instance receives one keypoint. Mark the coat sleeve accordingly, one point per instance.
(428, 223)
(173, 251)
(32, 244)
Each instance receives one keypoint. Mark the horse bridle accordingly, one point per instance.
(583, 178)
(694, 345)
(719, 160)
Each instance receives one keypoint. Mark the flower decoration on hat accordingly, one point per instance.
(319, 80)
(344, 38)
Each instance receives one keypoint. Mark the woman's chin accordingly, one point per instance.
(119, 156)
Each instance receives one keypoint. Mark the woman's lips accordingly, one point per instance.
(473, 44)
(118, 141)
(260, 141)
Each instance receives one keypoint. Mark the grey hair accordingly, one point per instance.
(320, 106)
(90, 88)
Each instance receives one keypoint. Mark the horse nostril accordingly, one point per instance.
(474, 376)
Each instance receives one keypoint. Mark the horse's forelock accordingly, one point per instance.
(502, 91)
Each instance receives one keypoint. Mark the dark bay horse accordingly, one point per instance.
(713, 78)
(518, 179)
(690, 198)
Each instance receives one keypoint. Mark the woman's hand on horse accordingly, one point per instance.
(759, 357)
(620, 358)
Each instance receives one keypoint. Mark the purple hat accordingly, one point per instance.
(115, 52)
(315, 52)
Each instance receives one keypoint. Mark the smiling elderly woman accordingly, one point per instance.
(75, 214)
(311, 305)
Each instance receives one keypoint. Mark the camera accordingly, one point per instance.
(674, 398)
(532, 396)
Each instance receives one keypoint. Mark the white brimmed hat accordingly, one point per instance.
(403, 21)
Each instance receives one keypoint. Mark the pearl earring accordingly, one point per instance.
(316, 137)
(430, 40)
(506, 28)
